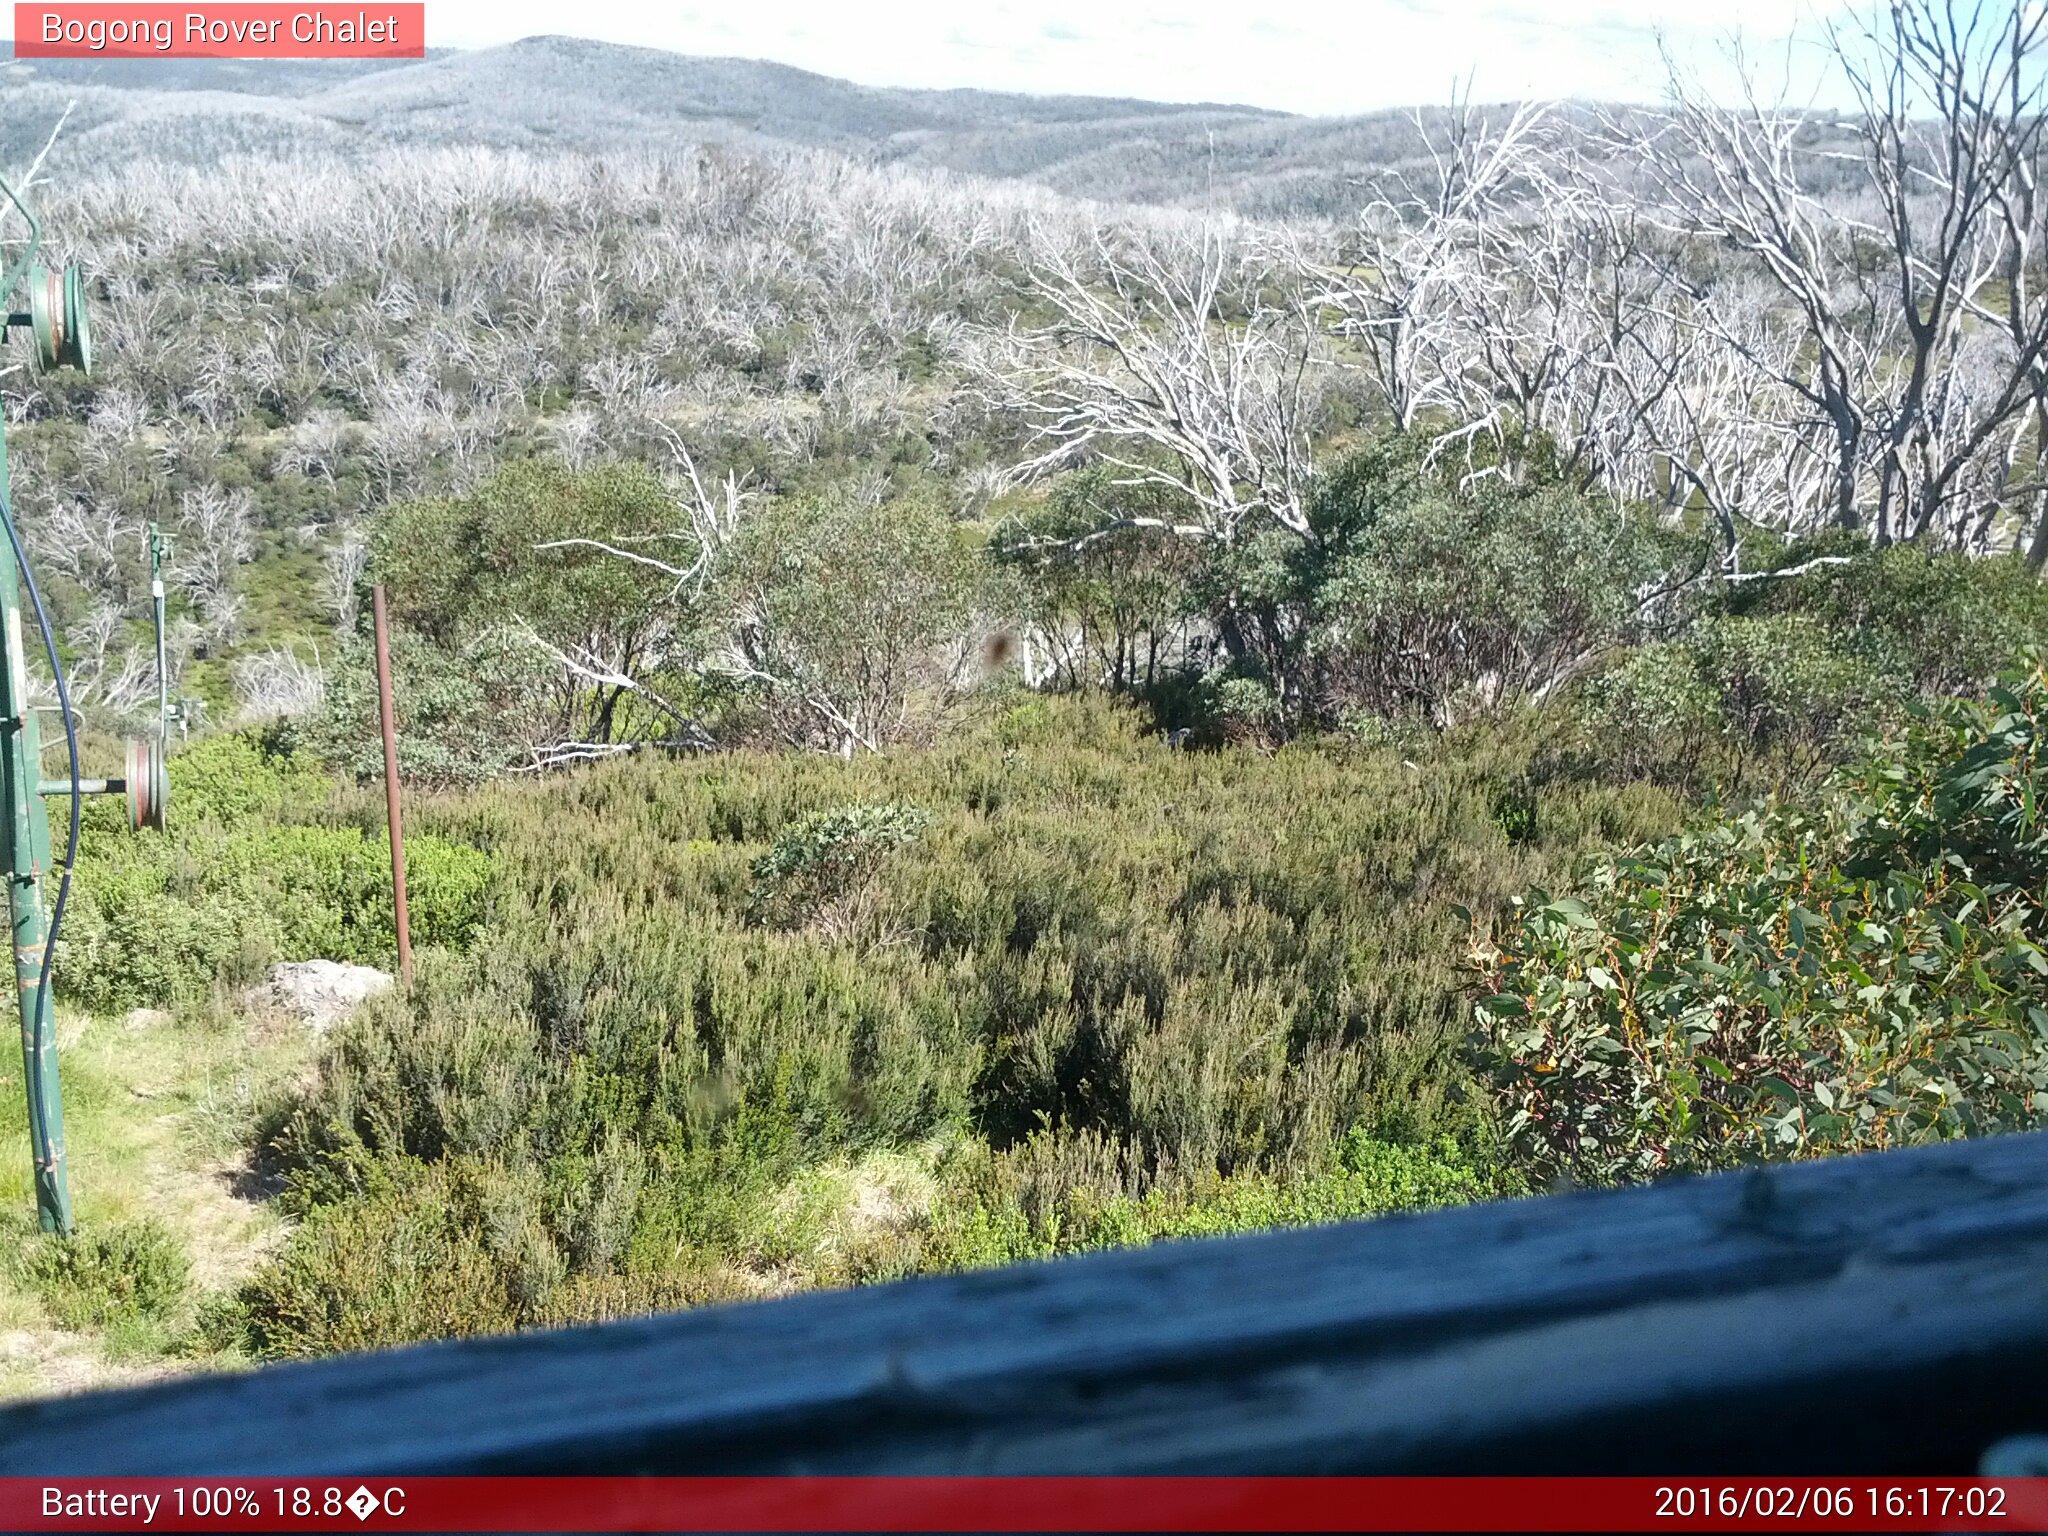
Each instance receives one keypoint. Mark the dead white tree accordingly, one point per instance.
(110, 670)
(1733, 178)
(710, 521)
(318, 446)
(31, 178)
(92, 542)
(341, 575)
(1393, 291)
(1945, 141)
(278, 684)
(1537, 302)
(1709, 421)
(1951, 101)
(215, 536)
(1189, 359)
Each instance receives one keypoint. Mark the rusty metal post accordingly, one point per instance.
(391, 785)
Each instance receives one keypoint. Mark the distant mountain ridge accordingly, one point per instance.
(572, 92)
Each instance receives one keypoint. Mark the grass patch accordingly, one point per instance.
(159, 1117)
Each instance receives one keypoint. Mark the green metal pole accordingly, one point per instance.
(156, 606)
(28, 862)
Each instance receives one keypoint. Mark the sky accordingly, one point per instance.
(1310, 56)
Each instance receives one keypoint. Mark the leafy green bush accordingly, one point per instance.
(486, 590)
(128, 941)
(1426, 599)
(1106, 581)
(821, 872)
(333, 888)
(1514, 812)
(464, 710)
(234, 884)
(1942, 623)
(1785, 672)
(156, 921)
(371, 1273)
(1783, 683)
(132, 1271)
(1861, 973)
(602, 1298)
(230, 778)
(1010, 1207)
(461, 565)
(849, 618)
(1245, 710)
(1656, 692)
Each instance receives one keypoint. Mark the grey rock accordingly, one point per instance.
(318, 993)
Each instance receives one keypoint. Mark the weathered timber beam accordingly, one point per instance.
(1884, 1313)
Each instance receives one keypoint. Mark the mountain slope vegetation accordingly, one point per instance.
(983, 677)
(554, 93)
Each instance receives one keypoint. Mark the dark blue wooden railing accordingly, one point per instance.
(1876, 1314)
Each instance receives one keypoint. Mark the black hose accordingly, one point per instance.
(45, 1004)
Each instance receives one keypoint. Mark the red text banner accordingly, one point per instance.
(238, 31)
(1022, 1504)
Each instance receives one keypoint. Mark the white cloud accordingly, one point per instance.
(1297, 55)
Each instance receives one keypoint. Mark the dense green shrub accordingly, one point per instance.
(236, 881)
(374, 1272)
(1125, 968)
(487, 590)
(1043, 1199)
(154, 921)
(230, 777)
(463, 710)
(850, 619)
(1796, 667)
(1424, 598)
(1245, 710)
(1107, 582)
(98, 1278)
(1861, 973)
(1943, 623)
(1411, 594)
(426, 1251)
(130, 941)
(1734, 688)
(509, 547)
(821, 872)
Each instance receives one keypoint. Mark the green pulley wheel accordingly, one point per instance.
(149, 789)
(56, 313)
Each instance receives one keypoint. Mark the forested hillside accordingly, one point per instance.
(947, 721)
(554, 93)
